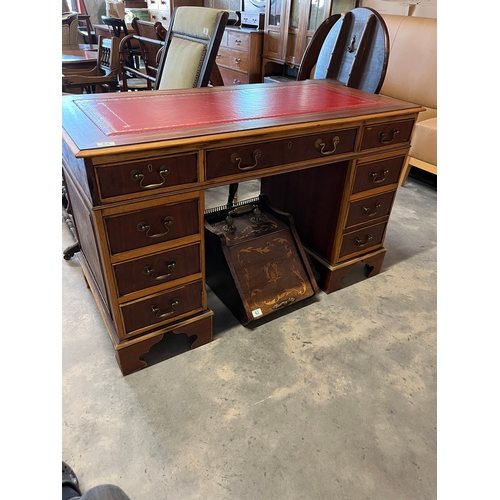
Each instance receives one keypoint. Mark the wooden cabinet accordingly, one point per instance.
(161, 10)
(289, 27)
(239, 57)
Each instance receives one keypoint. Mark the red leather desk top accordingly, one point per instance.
(105, 120)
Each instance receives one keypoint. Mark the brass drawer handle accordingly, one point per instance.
(382, 135)
(136, 175)
(367, 209)
(236, 158)
(149, 271)
(320, 144)
(144, 227)
(237, 60)
(156, 310)
(285, 302)
(359, 241)
(374, 176)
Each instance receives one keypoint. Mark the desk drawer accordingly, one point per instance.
(234, 59)
(368, 209)
(376, 174)
(362, 239)
(146, 176)
(232, 77)
(157, 269)
(260, 155)
(150, 226)
(163, 308)
(386, 134)
(238, 40)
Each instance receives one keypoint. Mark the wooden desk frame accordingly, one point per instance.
(335, 169)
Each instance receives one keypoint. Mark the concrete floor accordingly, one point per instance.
(336, 399)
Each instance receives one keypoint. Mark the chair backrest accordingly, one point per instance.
(192, 43)
(145, 33)
(70, 34)
(354, 51)
(108, 58)
(116, 25)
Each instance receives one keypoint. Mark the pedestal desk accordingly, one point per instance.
(136, 166)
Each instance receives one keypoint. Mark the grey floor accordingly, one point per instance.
(336, 399)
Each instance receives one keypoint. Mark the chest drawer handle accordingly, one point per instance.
(237, 42)
(320, 144)
(144, 227)
(237, 60)
(382, 135)
(359, 241)
(135, 175)
(156, 310)
(367, 209)
(236, 158)
(149, 271)
(374, 176)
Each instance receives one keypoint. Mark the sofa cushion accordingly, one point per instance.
(424, 141)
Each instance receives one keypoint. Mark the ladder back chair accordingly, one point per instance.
(118, 28)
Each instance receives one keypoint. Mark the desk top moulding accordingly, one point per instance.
(136, 165)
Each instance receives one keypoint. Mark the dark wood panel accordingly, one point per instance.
(146, 227)
(157, 269)
(377, 174)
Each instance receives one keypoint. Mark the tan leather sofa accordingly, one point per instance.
(412, 76)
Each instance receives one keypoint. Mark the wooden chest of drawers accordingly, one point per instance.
(136, 179)
(239, 57)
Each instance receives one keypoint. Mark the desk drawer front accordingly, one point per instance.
(232, 77)
(369, 209)
(260, 155)
(362, 239)
(163, 308)
(238, 40)
(151, 226)
(146, 176)
(157, 269)
(377, 174)
(386, 134)
(233, 59)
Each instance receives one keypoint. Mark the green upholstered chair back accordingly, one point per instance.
(191, 47)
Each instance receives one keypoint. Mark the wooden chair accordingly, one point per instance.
(118, 28)
(103, 77)
(150, 37)
(186, 57)
(191, 46)
(85, 28)
(352, 49)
